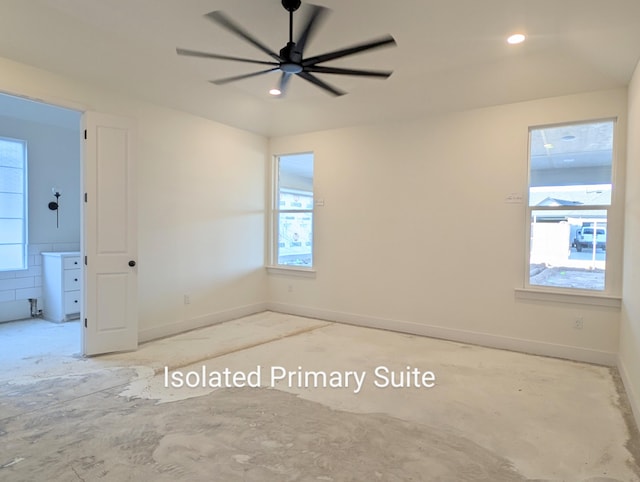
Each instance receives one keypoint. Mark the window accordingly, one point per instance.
(293, 211)
(13, 204)
(570, 179)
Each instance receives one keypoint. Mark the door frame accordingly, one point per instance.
(82, 109)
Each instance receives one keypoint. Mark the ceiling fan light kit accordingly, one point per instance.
(290, 60)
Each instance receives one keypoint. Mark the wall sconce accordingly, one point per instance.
(54, 205)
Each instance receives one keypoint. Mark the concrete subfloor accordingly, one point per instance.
(491, 415)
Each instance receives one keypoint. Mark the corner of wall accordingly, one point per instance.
(630, 389)
(200, 322)
(629, 356)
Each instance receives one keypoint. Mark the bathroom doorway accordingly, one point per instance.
(40, 212)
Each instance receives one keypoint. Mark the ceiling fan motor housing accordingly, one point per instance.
(290, 54)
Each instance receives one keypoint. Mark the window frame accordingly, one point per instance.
(25, 207)
(608, 295)
(274, 235)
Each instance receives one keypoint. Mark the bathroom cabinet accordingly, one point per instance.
(61, 285)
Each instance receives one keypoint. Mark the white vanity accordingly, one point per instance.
(61, 285)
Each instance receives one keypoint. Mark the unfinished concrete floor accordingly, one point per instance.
(491, 415)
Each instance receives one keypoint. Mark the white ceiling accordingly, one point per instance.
(451, 54)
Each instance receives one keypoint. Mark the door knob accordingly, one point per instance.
(132, 263)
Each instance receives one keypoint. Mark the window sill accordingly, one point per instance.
(569, 297)
(292, 271)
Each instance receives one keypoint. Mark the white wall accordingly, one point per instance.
(201, 188)
(201, 220)
(53, 161)
(629, 362)
(415, 234)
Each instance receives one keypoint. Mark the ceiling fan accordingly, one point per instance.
(290, 60)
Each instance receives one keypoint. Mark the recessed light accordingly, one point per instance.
(568, 160)
(275, 92)
(516, 38)
(548, 146)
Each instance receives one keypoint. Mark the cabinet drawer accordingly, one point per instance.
(71, 262)
(71, 279)
(71, 302)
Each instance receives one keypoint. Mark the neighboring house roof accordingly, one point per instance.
(569, 197)
(552, 201)
(576, 198)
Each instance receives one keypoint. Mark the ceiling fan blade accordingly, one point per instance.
(224, 21)
(284, 83)
(373, 44)
(323, 85)
(227, 80)
(318, 69)
(314, 20)
(206, 55)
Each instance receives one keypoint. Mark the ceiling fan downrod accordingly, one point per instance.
(291, 6)
(292, 57)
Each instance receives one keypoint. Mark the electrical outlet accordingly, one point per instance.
(578, 323)
(187, 300)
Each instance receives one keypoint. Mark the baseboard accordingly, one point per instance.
(401, 326)
(463, 336)
(632, 394)
(199, 322)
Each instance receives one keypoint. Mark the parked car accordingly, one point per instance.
(584, 238)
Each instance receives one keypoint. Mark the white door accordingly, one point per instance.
(109, 242)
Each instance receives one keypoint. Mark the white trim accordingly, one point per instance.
(462, 336)
(275, 211)
(612, 209)
(178, 327)
(630, 389)
(288, 270)
(566, 297)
